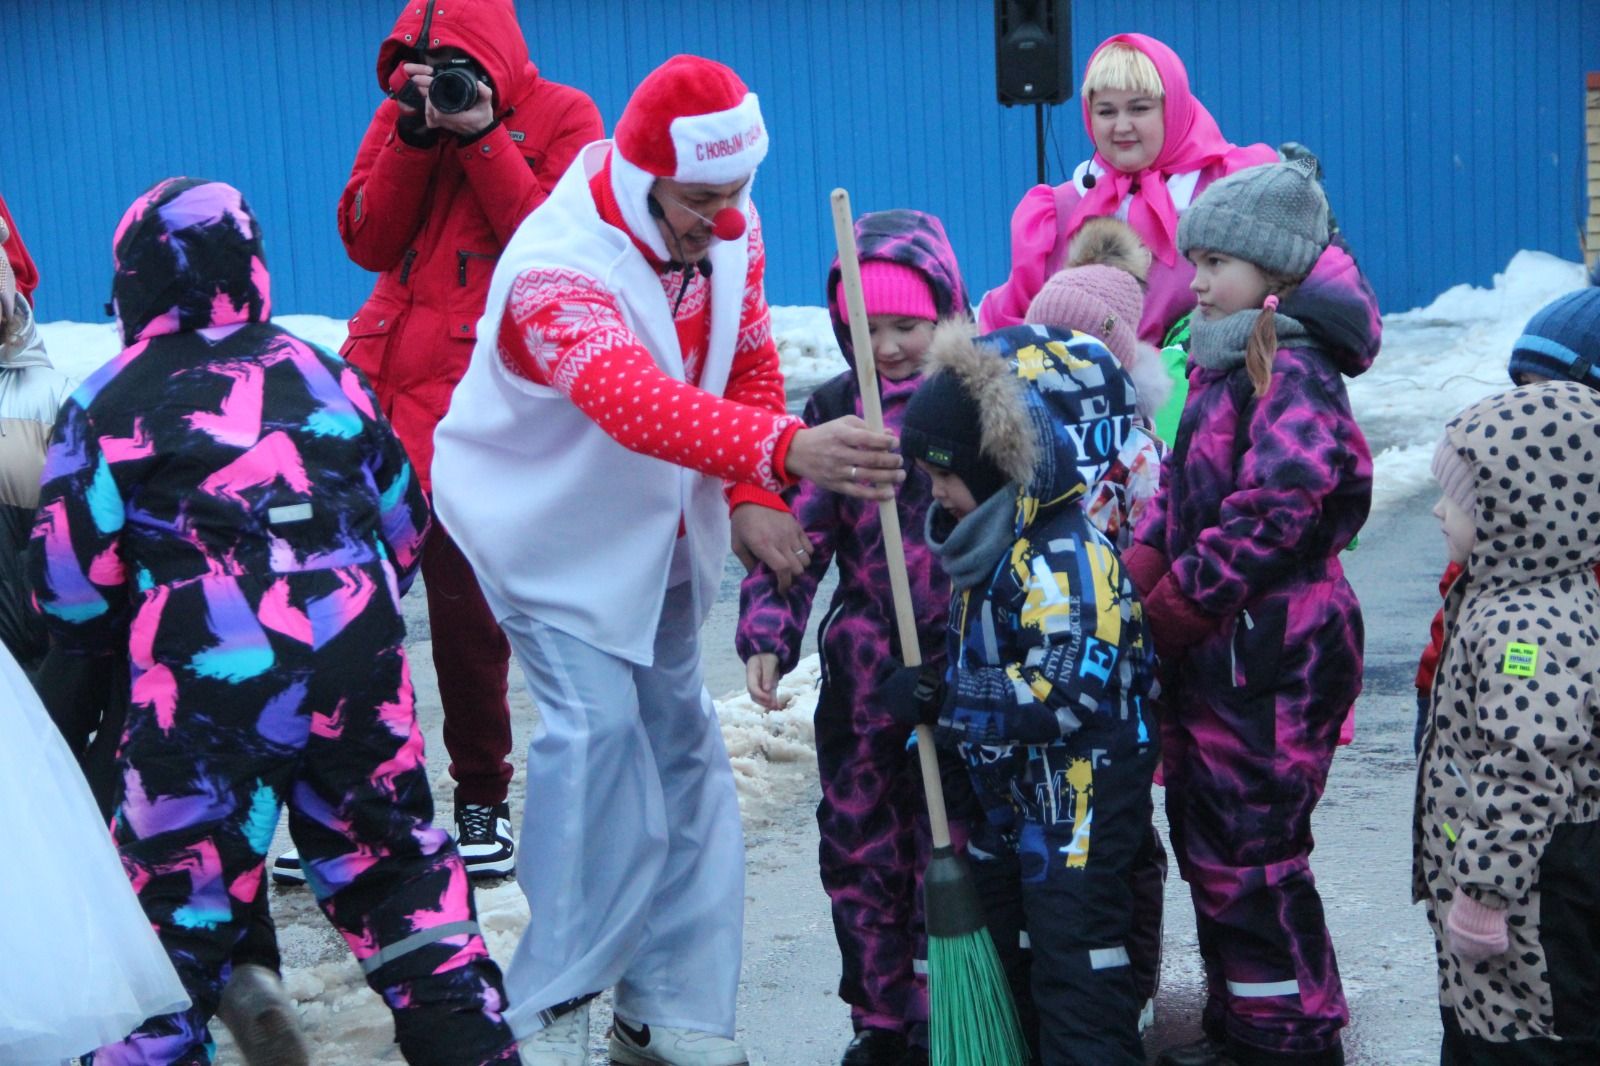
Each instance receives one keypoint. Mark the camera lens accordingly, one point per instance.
(454, 90)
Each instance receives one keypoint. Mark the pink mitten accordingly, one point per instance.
(1475, 932)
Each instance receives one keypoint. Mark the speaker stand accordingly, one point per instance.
(1038, 139)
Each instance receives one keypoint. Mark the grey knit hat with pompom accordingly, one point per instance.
(1275, 216)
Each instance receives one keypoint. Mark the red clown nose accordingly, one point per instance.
(728, 224)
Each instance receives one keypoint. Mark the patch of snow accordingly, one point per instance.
(1438, 359)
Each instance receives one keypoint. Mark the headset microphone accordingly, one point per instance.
(726, 225)
(1088, 180)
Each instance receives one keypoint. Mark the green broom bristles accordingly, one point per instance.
(971, 1018)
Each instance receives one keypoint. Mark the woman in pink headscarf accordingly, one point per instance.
(1156, 149)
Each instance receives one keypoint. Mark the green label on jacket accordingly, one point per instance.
(1520, 660)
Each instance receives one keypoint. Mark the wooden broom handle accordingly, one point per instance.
(888, 515)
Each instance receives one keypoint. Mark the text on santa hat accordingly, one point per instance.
(727, 146)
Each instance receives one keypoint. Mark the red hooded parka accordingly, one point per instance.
(433, 221)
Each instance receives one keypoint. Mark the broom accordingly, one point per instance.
(971, 1018)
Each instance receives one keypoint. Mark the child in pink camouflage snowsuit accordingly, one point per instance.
(1258, 632)
(872, 819)
(225, 505)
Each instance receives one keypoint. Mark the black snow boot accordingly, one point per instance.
(875, 1047)
(1202, 1052)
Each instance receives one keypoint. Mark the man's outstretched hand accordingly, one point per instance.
(846, 457)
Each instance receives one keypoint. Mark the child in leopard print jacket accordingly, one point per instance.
(1506, 837)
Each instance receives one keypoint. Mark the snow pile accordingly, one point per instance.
(773, 752)
(1440, 358)
(807, 348)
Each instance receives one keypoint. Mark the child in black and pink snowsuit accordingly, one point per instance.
(1258, 632)
(871, 816)
(224, 505)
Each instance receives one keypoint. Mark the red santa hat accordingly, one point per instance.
(691, 120)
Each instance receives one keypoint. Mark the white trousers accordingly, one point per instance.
(631, 853)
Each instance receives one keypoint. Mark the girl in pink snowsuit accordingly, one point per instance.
(1258, 632)
(874, 835)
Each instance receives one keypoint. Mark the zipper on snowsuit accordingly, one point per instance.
(462, 258)
(1233, 647)
(405, 267)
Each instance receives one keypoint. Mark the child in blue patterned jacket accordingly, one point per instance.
(1046, 690)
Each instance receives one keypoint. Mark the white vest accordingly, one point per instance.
(561, 523)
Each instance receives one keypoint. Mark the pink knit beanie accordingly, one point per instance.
(1454, 476)
(1102, 301)
(890, 288)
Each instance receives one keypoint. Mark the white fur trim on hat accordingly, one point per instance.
(720, 146)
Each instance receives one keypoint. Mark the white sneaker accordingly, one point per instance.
(564, 1042)
(287, 869)
(660, 1045)
(483, 837)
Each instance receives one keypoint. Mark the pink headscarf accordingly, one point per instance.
(1193, 142)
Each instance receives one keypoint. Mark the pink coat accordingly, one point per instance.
(1193, 155)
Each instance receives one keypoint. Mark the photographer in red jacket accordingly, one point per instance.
(470, 140)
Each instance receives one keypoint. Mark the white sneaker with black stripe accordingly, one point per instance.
(287, 870)
(660, 1045)
(483, 837)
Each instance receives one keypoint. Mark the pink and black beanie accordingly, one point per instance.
(908, 268)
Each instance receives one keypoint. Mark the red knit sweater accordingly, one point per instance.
(562, 329)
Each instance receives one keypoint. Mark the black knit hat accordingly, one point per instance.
(943, 427)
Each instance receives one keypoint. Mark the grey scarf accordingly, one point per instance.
(1219, 344)
(970, 551)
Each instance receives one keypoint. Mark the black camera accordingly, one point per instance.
(454, 88)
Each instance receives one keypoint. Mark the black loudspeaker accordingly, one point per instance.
(1033, 51)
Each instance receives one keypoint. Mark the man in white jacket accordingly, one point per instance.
(623, 397)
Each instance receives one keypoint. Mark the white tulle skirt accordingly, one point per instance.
(80, 966)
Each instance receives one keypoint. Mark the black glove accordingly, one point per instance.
(413, 128)
(914, 695)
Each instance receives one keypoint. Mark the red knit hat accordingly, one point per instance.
(693, 120)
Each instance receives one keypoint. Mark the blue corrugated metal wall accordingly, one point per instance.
(1451, 129)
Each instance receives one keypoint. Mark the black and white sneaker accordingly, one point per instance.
(286, 868)
(483, 836)
(660, 1045)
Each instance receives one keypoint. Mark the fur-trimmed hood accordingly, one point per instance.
(1055, 407)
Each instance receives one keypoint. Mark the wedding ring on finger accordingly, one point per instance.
(852, 473)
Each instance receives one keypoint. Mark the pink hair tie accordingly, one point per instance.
(1271, 303)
